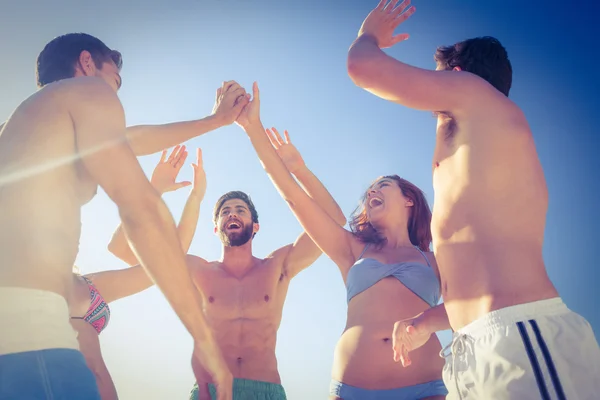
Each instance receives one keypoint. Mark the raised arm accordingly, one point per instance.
(330, 237)
(164, 180)
(120, 283)
(149, 139)
(373, 70)
(99, 124)
(191, 210)
(303, 252)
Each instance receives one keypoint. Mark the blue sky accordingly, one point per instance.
(177, 53)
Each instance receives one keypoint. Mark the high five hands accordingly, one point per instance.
(165, 173)
(384, 19)
(288, 153)
(230, 101)
(250, 113)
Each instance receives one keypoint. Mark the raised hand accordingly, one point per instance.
(165, 173)
(251, 112)
(408, 335)
(285, 150)
(199, 175)
(384, 19)
(231, 99)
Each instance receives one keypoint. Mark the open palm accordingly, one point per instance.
(165, 173)
(288, 153)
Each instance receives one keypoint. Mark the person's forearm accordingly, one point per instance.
(93, 358)
(152, 234)
(119, 246)
(106, 386)
(149, 139)
(317, 191)
(189, 220)
(435, 319)
(284, 182)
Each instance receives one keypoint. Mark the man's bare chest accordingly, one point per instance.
(255, 296)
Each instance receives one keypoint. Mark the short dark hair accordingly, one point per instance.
(482, 56)
(58, 58)
(236, 194)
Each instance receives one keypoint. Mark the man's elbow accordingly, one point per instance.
(114, 248)
(123, 253)
(360, 70)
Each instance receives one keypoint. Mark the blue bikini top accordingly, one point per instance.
(418, 278)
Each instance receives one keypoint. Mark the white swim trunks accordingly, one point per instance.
(538, 350)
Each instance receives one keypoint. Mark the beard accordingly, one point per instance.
(235, 239)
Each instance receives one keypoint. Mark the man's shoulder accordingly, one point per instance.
(197, 262)
(80, 83)
(277, 257)
(490, 102)
(199, 268)
(74, 92)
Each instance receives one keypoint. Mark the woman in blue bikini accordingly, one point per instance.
(389, 273)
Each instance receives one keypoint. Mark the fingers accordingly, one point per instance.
(401, 343)
(399, 38)
(390, 6)
(381, 5)
(225, 86)
(173, 154)
(233, 86)
(163, 156)
(396, 340)
(287, 137)
(235, 93)
(403, 16)
(272, 139)
(199, 156)
(397, 351)
(180, 185)
(404, 358)
(278, 137)
(219, 91)
(400, 7)
(203, 392)
(224, 389)
(255, 92)
(241, 100)
(223, 395)
(180, 158)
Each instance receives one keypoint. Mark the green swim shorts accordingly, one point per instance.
(245, 389)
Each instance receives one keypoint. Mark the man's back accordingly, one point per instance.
(43, 187)
(490, 208)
